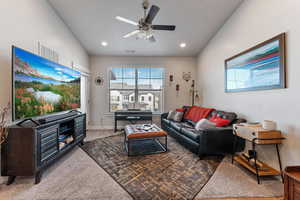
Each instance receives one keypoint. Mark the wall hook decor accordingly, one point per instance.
(171, 79)
(177, 89)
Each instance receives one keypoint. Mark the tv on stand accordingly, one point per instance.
(47, 124)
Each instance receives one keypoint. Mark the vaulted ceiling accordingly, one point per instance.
(93, 21)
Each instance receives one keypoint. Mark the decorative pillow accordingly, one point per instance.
(197, 113)
(178, 116)
(179, 110)
(204, 124)
(219, 121)
(171, 115)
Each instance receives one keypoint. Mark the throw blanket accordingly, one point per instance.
(197, 113)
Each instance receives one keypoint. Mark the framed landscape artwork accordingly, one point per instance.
(259, 68)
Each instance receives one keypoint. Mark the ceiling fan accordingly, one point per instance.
(145, 28)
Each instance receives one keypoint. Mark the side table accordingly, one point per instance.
(257, 136)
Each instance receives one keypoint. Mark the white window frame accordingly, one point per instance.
(136, 84)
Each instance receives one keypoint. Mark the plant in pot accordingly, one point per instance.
(3, 122)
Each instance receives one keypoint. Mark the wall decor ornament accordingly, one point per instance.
(171, 79)
(187, 76)
(194, 93)
(177, 89)
(99, 81)
(262, 67)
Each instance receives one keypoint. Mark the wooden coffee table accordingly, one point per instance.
(141, 141)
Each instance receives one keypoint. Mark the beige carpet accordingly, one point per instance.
(233, 181)
(78, 177)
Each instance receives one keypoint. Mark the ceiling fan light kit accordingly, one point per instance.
(145, 28)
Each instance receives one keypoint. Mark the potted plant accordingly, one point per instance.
(3, 122)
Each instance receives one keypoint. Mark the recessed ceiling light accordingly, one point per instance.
(182, 45)
(104, 43)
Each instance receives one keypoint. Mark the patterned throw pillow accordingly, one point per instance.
(204, 124)
(178, 116)
(171, 114)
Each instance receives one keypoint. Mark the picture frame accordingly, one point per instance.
(262, 67)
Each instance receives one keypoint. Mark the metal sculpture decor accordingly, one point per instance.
(187, 76)
(3, 122)
(99, 81)
(194, 93)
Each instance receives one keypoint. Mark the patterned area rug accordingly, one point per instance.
(177, 174)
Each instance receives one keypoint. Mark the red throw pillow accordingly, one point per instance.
(197, 113)
(220, 122)
(180, 110)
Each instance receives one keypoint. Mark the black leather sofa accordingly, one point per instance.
(213, 141)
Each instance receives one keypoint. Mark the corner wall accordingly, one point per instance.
(100, 116)
(254, 22)
(24, 24)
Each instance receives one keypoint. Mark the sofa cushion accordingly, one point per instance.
(224, 115)
(187, 125)
(166, 121)
(191, 133)
(197, 113)
(193, 124)
(175, 125)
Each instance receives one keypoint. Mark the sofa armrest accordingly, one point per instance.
(164, 115)
(219, 141)
(239, 120)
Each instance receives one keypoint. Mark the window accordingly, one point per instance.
(136, 88)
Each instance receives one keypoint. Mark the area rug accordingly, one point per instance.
(177, 174)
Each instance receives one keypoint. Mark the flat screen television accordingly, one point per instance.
(42, 87)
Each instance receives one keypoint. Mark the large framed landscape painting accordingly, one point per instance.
(260, 68)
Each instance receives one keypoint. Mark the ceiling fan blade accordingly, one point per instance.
(164, 27)
(128, 21)
(152, 13)
(131, 34)
(152, 39)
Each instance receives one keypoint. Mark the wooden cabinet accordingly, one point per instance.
(30, 147)
(292, 183)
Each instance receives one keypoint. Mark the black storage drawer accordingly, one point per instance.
(79, 126)
(49, 153)
(49, 138)
(48, 131)
(50, 144)
(79, 132)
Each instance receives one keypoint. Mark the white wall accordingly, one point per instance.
(172, 65)
(254, 22)
(25, 23)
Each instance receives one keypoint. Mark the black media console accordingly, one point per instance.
(31, 146)
(132, 116)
